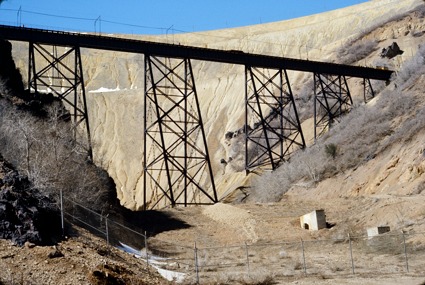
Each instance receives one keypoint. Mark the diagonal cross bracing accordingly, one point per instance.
(272, 127)
(59, 71)
(177, 168)
(368, 91)
(332, 99)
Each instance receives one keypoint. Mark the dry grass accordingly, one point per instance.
(356, 50)
(259, 280)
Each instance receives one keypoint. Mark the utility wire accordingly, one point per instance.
(167, 28)
(202, 34)
(133, 25)
(56, 16)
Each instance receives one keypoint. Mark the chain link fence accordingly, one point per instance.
(388, 253)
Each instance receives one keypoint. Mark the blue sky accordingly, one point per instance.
(157, 16)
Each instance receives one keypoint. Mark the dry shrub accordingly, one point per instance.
(236, 153)
(307, 165)
(259, 280)
(257, 277)
(44, 149)
(356, 50)
(298, 266)
(331, 150)
(395, 117)
(411, 69)
(385, 244)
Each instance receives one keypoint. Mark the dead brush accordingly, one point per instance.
(263, 280)
(298, 266)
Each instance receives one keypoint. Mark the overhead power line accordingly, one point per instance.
(150, 27)
(98, 20)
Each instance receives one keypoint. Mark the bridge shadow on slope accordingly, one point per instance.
(129, 227)
(124, 226)
(153, 222)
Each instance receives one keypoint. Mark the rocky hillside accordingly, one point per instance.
(115, 82)
(26, 215)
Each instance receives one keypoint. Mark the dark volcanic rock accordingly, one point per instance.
(25, 214)
(8, 72)
(392, 51)
(13, 89)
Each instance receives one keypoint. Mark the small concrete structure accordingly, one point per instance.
(371, 232)
(314, 221)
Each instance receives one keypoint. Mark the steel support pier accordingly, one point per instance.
(272, 126)
(332, 99)
(177, 167)
(58, 70)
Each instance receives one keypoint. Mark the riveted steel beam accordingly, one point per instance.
(181, 51)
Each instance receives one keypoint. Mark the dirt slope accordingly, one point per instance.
(78, 260)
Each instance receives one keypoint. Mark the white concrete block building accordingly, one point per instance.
(314, 221)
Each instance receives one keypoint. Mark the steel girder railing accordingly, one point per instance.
(180, 51)
(60, 72)
(272, 126)
(332, 100)
(177, 167)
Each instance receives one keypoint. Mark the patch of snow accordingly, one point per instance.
(171, 275)
(129, 249)
(104, 89)
(46, 91)
(155, 262)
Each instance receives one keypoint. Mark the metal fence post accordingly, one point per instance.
(146, 251)
(351, 253)
(304, 266)
(62, 220)
(107, 231)
(196, 264)
(247, 259)
(405, 250)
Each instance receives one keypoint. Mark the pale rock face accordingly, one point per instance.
(117, 80)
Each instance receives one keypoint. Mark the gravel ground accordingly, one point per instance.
(81, 259)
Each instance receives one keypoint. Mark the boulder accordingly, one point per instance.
(392, 51)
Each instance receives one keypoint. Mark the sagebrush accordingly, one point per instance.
(360, 136)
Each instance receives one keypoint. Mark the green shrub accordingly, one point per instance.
(331, 150)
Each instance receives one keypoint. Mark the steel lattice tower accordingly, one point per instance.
(177, 168)
(332, 99)
(61, 75)
(368, 91)
(272, 125)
